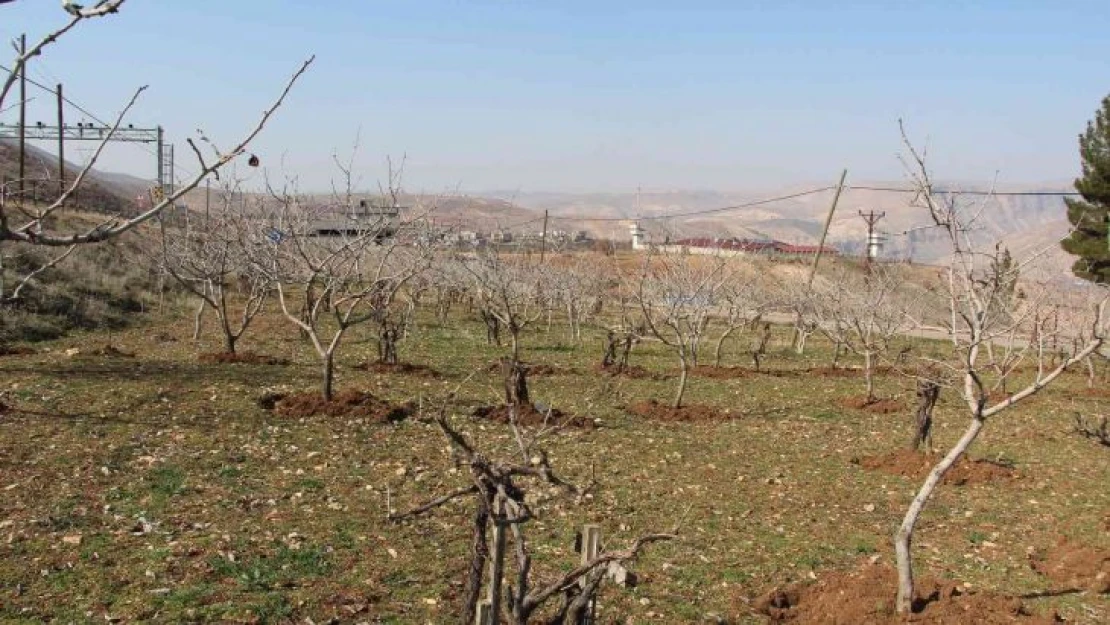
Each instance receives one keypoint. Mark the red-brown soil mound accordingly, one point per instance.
(1074, 567)
(635, 372)
(881, 405)
(401, 368)
(867, 597)
(245, 358)
(691, 413)
(343, 404)
(915, 465)
(722, 373)
(528, 415)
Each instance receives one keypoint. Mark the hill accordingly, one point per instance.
(101, 192)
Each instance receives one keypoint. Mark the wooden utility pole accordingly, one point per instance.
(22, 115)
(61, 143)
(820, 250)
(543, 237)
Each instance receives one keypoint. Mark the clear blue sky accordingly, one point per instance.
(569, 95)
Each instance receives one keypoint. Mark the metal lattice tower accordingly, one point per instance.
(91, 132)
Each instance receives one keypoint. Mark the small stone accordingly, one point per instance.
(72, 539)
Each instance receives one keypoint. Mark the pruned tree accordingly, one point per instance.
(978, 318)
(502, 502)
(209, 256)
(744, 298)
(24, 222)
(861, 312)
(342, 277)
(676, 294)
(514, 291)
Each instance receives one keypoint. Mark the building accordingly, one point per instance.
(354, 220)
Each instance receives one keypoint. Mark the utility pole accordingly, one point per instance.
(543, 237)
(61, 144)
(817, 254)
(22, 115)
(872, 237)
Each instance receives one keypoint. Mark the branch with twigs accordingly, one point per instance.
(29, 233)
(500, 501)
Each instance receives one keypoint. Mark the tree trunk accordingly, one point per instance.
(329, 376)
(720, 343)
(516, 382)
(387, 343)
(904, 536)
(198, 318)
(610, 357)
(869, 376)
(927, 394)
(229, 340)
(681, 382)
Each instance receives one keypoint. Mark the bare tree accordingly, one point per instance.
(744, 298)
(343, 276)
(209, 257)
(514, 291)
(861, 312)
(676, 293)
(978, 317)
(500, 492)
(23, 222)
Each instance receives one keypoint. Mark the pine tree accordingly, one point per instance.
(1090, 216)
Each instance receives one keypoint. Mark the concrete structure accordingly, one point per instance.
(361, 218)
(730, 247)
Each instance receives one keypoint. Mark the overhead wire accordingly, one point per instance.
(694, 213)
(93, 116)
(964, 192)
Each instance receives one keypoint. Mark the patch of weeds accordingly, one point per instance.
(735, 576)
(64, 517)
(285, 568)
(865, 548)
(94, 544)
(811, 562)
(273, 608)
(310, 484)
(166, 481)
(230, 473)
(976, 537)
(182, 598)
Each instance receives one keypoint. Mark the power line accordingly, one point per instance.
(970, 192)
(91, 115)
(707, 211)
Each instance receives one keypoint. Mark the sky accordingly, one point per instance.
(606, 96)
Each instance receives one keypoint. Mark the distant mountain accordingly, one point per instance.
(1025, 223)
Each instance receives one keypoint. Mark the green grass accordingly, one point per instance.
(768, 496)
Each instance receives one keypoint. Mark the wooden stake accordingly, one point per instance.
(497, 563)
(591, 546)
(484, 614)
